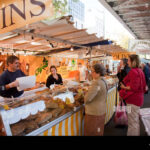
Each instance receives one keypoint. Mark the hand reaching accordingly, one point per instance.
(14, 84)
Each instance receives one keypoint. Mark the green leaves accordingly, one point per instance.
(42, 67)
(61, 7)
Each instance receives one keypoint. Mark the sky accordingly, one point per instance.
(114, 30)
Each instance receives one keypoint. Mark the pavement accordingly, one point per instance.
(112, 130)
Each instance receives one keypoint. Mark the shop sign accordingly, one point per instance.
(18, 13)
(138, 45)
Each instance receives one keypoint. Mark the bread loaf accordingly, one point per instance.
(43, 118)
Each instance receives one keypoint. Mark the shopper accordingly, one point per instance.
(132, 91)
(95, 103)
(108, 70)
(54, 78)
(145, 68)
(8, 80)
(122, 70)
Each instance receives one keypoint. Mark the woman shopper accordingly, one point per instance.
(132, 91)
(122, 70)
(54, 78)
(95, 103)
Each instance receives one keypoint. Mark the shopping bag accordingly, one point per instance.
(120, 118)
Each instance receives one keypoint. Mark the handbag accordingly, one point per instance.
(120, 117)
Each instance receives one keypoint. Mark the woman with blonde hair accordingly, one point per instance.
(132, 91)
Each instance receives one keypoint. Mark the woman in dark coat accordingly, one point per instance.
(123, 70)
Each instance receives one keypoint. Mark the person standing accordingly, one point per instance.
(95, 103)
(8, 80)
(122, 70)
(54, 78)
(145, 69)
(108, 70)
(132, 91)
(83, 72)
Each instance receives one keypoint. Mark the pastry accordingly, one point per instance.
(31, 125)
(18, 128)
(51, 104)
(56, 112)
(44, 117)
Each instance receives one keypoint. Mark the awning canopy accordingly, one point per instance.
(134, 13)
(51, 37)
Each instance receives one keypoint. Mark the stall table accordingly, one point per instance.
(145, 117)
(71, 123)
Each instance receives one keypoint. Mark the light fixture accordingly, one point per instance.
(146, 5)
(32, 37)
(2, 53)
(71, 49)
(35, 43)
(51, 45)
(25, 53)
(14, 52)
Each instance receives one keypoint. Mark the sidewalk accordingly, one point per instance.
(111, 130)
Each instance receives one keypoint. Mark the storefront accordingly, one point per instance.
(43, 41)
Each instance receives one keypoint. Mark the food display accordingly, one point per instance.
(54, 108)
(111, 81)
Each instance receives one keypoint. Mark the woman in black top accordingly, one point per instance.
(123, 70)
(54, 78)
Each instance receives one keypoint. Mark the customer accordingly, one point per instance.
(108, 70)
(132, 91)
(95, 103)
(54, 78)
(122, 70)
(145, 68)
(8, 81)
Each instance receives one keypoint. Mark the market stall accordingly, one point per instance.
(48, 112)
(38, 112)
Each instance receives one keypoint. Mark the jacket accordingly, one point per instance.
(136, 80)
(95, 99)
(121, 75)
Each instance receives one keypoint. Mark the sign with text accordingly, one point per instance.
(139, 46)
(18, 13)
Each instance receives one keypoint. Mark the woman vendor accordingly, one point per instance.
(54, 78)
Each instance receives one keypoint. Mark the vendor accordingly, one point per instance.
(54, 78)
(83, 72)
(8, 82)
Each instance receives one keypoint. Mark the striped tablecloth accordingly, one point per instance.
(74, 125)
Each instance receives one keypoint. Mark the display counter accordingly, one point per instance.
(38, 114)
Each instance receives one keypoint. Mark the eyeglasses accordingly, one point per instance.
(92, 71)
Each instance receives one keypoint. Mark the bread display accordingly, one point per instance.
(55, 108)
(56, 112)
(51, 104)
(18, 128)
(43, 118)
(58, 89)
